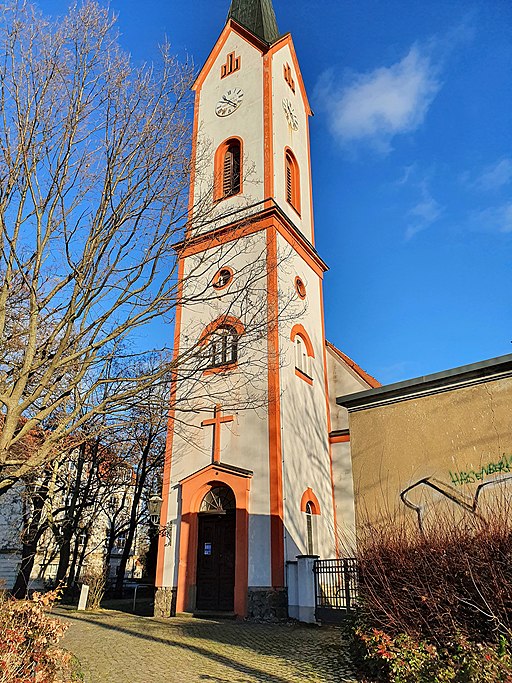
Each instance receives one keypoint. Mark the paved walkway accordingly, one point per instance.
(114, 647)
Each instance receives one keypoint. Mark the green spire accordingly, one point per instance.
(258, 16)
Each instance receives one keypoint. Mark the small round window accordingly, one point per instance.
(222, 278)
(300, 287)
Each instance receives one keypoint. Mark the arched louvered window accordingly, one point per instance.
(228, 169)
(292, 181)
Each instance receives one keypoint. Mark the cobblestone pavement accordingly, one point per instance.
(114, 647)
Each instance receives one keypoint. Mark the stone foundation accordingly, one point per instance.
(165, 602)
(267, 604)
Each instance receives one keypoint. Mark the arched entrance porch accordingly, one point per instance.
(200, 564)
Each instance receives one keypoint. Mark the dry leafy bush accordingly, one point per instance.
(455, 579)
(436, 606)
(28, 639)
(96, 579)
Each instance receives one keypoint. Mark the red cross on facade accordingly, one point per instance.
(216, 423)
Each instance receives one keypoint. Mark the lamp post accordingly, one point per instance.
(154, 509)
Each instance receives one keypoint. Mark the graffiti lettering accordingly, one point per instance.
(472, 476)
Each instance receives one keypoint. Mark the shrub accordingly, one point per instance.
(96, 579)
(406, 660)
(457, 579)
(28, 636)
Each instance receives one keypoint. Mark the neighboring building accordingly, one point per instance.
(110, 502)
(434, 446)
(263, 476)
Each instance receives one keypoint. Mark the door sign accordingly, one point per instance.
(207, 548)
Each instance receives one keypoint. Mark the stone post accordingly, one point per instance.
(306, 588)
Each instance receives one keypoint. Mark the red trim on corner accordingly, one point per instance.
(274, 418)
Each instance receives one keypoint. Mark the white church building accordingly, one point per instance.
(258, 467)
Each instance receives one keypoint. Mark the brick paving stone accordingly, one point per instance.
(115, 647)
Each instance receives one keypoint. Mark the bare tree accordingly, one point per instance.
(94, 172)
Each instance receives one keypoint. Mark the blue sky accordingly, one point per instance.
(412, 165)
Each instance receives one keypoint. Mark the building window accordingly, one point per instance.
(292, 181)
(304, 353)
(309, 526)
(301, 356)
(222, 347)
(228, 169)
(219, 499)
(288, 76)
(232, 64)
(300, 287)
(223, 278)
(120, 542)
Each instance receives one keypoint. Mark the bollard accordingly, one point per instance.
(84, 594)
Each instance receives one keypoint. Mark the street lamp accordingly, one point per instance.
(154, 509)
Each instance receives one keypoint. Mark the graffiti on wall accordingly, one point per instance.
(503, 466)
(425, 493)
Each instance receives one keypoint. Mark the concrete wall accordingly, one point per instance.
(428, 455)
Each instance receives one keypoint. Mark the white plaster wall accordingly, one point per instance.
(297, 141)
(241, 392)
(246, 122)
(342, 380)
(306, 460)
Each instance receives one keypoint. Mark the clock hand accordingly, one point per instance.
(229, 101)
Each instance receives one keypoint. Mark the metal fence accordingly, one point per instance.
(335, 589)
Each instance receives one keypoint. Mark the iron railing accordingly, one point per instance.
(335, 588)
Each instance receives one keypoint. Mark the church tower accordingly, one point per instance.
(248, 483)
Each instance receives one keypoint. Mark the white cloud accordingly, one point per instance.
(388, 101)
(424, 214)
(493, 177)
(493, 219)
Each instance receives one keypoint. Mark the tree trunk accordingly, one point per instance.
(64, 554)
(133, 524)
(28, 556)
(32, 532)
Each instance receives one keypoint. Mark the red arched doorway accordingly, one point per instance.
(216, 551)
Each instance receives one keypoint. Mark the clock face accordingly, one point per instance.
(291, 116)
(229, 102)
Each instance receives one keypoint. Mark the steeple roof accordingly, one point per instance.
(258, 16)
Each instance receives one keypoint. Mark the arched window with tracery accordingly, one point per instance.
(228, 169)
(220, 341)
(222, 347)
(292, 180)
(218, 499)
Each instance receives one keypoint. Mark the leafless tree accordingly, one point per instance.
(94, 172)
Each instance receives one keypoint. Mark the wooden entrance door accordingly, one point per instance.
(216, 562)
